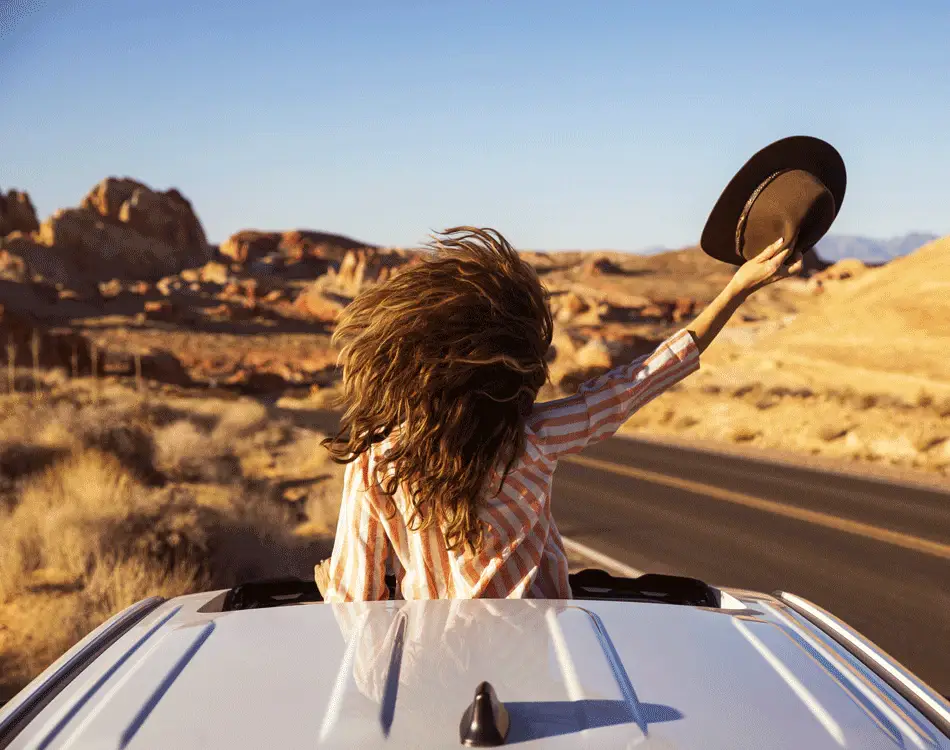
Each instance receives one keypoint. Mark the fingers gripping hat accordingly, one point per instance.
(792, 188)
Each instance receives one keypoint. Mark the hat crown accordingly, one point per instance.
(793, 204)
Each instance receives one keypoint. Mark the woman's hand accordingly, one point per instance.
(767, 267)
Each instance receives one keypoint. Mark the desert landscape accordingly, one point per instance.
(165, 398)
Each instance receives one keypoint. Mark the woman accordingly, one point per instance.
(449, 460)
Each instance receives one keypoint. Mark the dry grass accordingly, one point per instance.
(106, 503)
(729, 404)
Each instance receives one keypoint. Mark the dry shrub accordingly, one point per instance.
(925, 439)
(185, 453)
(666, 417)
(782, 391)
(832, 432)
(326, 398)
(942, 407)
(746, 389)
(86, 530)
(866, 401)
(238, 421)
(18, 460)
(685, 422)
(88, 538)
(924, 400)
(307, 456)
(131, 444)
(42, 625)
(58, 522)
(744, 433)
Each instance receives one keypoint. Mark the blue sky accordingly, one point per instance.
(563, 124)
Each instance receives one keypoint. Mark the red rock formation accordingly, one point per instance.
(366, 266)
(164, 216)
(160, 310)
(600, 265)
(12, 267)
(683, 308)
(17, 213)
(313, 304)
(249, 245)
(122, 229)
(659, 310)
(53, 265)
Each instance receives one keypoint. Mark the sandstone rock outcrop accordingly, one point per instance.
(250, 245)
(165, 216)
(600, 265)
(17, 213)
(122, 229)
(314, 304)
(365, 266)
(53, 264)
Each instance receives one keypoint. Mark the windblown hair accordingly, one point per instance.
(450, 351)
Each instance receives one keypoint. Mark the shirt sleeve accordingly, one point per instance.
(601, 405)
(361, 548)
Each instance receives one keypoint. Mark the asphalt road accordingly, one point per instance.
(876, 554)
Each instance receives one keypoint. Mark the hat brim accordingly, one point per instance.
(796, 152)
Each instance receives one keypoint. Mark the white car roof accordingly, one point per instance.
(752, 673)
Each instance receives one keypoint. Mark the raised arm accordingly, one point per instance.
(601, 405)
(766, 268)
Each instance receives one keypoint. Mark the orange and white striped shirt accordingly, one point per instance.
(522, 554)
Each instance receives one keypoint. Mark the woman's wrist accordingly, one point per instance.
(737, 291)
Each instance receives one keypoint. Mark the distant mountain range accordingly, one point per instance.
(836, 247)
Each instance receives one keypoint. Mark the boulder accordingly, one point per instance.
(249, 245)
(17, 213)
(364, 266)
(595, 354)
(13, 268)
(600, 265)
(160, 309)
(214, 273)
(661, 311)
(164, 216)
(313, 304)
(110, 289)
(102, 250)
(568, 306)
(123, 229)
(40, 260)
(683, 308)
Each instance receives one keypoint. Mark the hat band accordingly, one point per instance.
(744, 216)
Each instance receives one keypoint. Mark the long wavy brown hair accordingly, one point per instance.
(452, 352)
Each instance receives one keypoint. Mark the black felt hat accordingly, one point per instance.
(792, 188)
